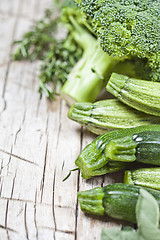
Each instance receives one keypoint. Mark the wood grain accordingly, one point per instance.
(38, 147)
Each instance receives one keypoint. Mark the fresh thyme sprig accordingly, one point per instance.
(38, 40)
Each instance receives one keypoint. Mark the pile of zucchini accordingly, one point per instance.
(137, 104)
(133, 146)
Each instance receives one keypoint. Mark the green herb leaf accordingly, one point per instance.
(36, 42)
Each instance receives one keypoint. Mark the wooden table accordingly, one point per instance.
(38, 146)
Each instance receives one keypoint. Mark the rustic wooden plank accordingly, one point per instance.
(22, 152)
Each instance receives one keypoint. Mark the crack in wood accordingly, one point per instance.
(65, 231)
(16, 135)
(4, 106)
(53, 206)
(45, 160)
(6, 217)
(25, 221)
(35, 212)
(66, 207)
(44, 170)
(8, 229)
(25, 201)
(8, 164)
(62, 166)
(20, 128)
(24, 116)
(13, 185)
(20, 158)
(1, 181)
(21, 210)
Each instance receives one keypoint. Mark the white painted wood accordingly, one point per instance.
(38, 147)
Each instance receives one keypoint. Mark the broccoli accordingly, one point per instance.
(95, 45)
(62, 58)
(89, 76)
(128, 28)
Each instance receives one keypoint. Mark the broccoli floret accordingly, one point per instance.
(128, 28)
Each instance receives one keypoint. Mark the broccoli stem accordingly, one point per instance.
(91, 73)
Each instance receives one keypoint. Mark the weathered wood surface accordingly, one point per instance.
(38, 146)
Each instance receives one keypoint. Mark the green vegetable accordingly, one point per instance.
(141, 95)
(90, 75)
(116, 200)
(92, 160)
(128, 29)
(109, 114)
(147, 216)
(84, 78)
(145, 177)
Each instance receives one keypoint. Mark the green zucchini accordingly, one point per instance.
(145, 177)
(139, 94)
(92, 160)
(109, 114)
(116, 200)
(143, 147)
